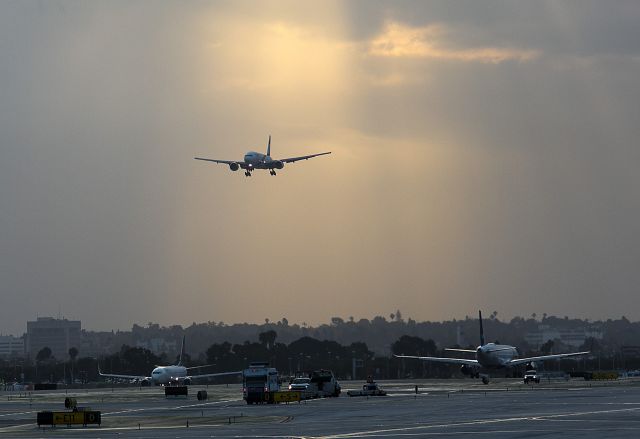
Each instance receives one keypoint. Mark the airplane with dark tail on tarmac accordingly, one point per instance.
(491, 356)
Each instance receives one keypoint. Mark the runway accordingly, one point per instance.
(443, 408)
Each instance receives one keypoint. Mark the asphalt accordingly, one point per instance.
(443, 408)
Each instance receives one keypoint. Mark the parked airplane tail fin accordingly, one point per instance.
(269, 147)
(481, 330)
(181, 352)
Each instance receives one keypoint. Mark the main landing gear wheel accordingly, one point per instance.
(247, 173)
(485, 380)
(272, 172)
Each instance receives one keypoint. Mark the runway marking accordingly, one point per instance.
(407, 430)
(15, 427)
(494, 432)
(19, 413)
(169, 407)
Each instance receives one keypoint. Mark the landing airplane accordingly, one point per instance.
(491, 356)
(169, 375)
(255, 160)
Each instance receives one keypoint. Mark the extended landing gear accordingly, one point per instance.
(485, 379)
(247, 173)
(272, 172)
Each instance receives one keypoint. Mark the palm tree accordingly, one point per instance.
(73, 353)
(43, 354)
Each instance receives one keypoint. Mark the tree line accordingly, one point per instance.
(295, 358)
(378, 333)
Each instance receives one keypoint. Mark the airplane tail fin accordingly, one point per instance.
(481, 330)
(269, 147)
(181, 352)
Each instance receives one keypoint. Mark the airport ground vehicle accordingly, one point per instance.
(531, 376)
(325, 383)
(300, 384)
(259, 383)
(371, 388)
(317, 384)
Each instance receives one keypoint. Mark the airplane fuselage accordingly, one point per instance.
(495, 356)
(168, 374)
(257, 160)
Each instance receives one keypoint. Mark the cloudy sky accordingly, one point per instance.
(485, 155)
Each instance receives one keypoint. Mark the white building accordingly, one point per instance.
(11, 346)
(572, 337)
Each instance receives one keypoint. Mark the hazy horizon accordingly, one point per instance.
(484, 156)
(539, 317)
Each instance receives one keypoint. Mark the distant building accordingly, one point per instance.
(59, 335)
(573, 337)
(11, 347)
(158, 345)
(96, 344)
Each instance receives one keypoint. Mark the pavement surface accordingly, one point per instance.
(443, 408)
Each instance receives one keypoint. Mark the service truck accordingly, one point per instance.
(325, 383)
(260, 383)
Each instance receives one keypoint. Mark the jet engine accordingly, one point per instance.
(234, 166)
(187, 381)
(278, 164)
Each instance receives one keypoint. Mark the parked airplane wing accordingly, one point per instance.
(304, 157)
(224, 162)
(219, 374)
(518, 361)
(443, 360)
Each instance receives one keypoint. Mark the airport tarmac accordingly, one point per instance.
(505, 408)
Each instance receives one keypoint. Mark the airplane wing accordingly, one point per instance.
(304, 157)
(443, 360)
(224, 162)
(518, 361)
(219, 374)
(128, 377)
(469, 351)
(199, 367)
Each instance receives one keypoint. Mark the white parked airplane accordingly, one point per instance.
(491, 356)
(255, 160)
(168, 375)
